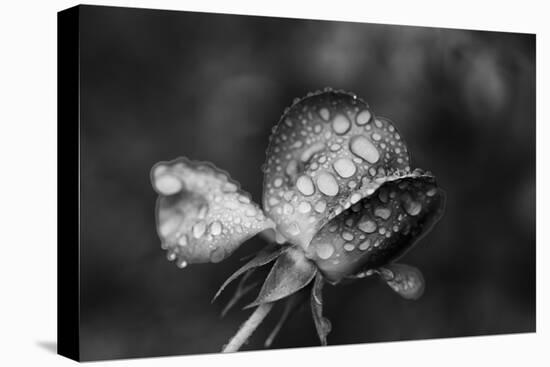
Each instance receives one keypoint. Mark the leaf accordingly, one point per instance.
(290, 273)
(242, 290)
(405, 280)
(323, 150)
(264, 256)
(202, 214)
(322, 324)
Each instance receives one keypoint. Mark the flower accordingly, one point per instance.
(339, 194)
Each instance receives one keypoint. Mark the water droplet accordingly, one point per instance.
(413, 207)
(431, 192)
(217, 255)
(363, 148)
(288, 209)
(349, 247)
(305, 185)
(381, 230)
(327, 184)
(277, 182)
(365, 245)
(199, 229)
(216, 228)
(324, 113)
(317, 128)
(367, 225)
(171, 256)
(168, 184)
(304, 207)
(335, 147)
(378, 123)
(376, 137)
(340, 124)
(181, 263)
(320, 206)
(344, 167)
(382, 212)
(324, 250)
(348, 236)
(383, 196)
(229, 187)
(362, 117)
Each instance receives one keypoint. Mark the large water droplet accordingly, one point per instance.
(340, 124)
(413, 207)
(362, 117)
(168, 184)
(363, 148)
(349, 247)
(199, 229)
(324, 113)
(277, 182)
(367, 225)
(327, 184)
(382, 212)
(348, 236)
(344, 167)
(305, 185)
(216, 228)
(320, 206)
(324, 250)
(304, 207)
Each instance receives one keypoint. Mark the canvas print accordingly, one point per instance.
(256, 183)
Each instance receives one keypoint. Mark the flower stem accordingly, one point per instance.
(248, 328)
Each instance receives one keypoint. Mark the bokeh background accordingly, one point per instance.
(156, 85)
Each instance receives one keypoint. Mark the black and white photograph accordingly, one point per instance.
(261, 183)
(210, 183)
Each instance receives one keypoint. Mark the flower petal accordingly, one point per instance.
(324, 155)
(380, 228)
(290, 273)
(405, 280)
(202, 215)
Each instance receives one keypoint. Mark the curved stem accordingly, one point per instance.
(248, 328)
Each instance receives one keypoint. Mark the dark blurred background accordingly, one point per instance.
(158, 84)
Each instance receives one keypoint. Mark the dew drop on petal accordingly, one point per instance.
(364, 245)
(363, 148)
(367, 226)
(340, 124)
(324, 113)
(363, 117)
(344, 167)
(382, 212)
(181, 263)
(327, 184)
(413, 207)
(324, 250)
(199, 229)
(376, 137)
(277, 182)
(349, 247)
(168, 184)
(348, 236)
(304, 207)
(216, 228)
(320, 206)
(305, 185)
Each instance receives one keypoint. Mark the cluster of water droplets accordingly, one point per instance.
(202, 214)
(323, 157)
(378, 224)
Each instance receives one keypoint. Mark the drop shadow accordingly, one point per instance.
(50, 346)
